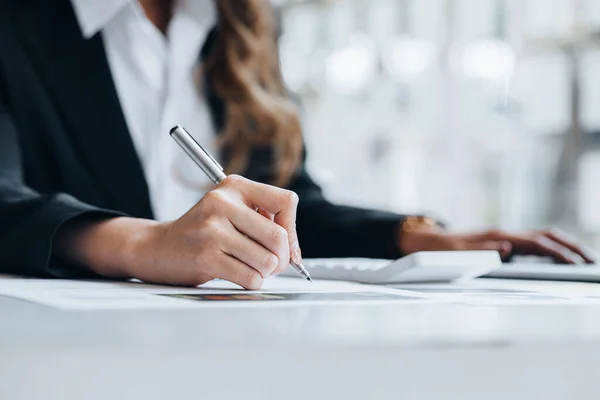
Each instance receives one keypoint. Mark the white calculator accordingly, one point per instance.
(434, 266)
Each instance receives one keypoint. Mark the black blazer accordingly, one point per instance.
(65, 150)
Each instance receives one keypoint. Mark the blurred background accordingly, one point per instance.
(484, 112)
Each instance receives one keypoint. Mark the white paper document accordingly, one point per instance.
(277, 291)
(289, 292)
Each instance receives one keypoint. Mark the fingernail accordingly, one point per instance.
(296, 254)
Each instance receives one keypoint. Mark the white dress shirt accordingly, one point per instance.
(154, 77)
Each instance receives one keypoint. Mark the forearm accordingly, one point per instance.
(328, 230)
(108, 247)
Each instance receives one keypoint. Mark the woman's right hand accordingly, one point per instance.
(223, 236)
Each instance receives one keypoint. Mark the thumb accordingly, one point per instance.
(502, 247)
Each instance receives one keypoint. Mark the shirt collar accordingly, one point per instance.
(94, 15)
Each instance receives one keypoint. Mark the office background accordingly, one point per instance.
(486, 112)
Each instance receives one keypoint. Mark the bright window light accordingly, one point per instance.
(350, 68)
(488, 59)
(406, 58)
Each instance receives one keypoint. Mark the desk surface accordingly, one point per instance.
(360, 351)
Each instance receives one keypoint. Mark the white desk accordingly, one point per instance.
(408, 351)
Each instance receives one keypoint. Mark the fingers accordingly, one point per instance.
(265, 214)
(251, 253)
(233, 270)
(239, 231)
(544, 246)
(567, 242)
(280, 203)
(279, 269)
(264, 232)
(537, 244)
(547, 244)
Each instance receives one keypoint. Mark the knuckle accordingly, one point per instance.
(271, 262)
(218, 203)
(291, 198)
(234, 181)
(279, 235)
(214, 197)
(549, 232)
(540, 241)
(557, 234)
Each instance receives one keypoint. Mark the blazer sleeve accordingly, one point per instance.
(29, 220)
(329, 230)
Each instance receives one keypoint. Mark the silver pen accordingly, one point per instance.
(214, 171)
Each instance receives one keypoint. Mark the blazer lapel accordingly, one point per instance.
(78, 78)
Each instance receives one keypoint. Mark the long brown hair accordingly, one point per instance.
(244, 70)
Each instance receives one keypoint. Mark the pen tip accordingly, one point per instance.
(309, 279)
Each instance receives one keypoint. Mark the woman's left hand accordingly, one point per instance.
(548, 243)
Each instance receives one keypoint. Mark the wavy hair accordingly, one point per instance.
(244, 70)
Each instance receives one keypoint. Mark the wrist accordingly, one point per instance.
(415, 232)
(139, 247)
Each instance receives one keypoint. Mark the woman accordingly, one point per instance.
(91, 185)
